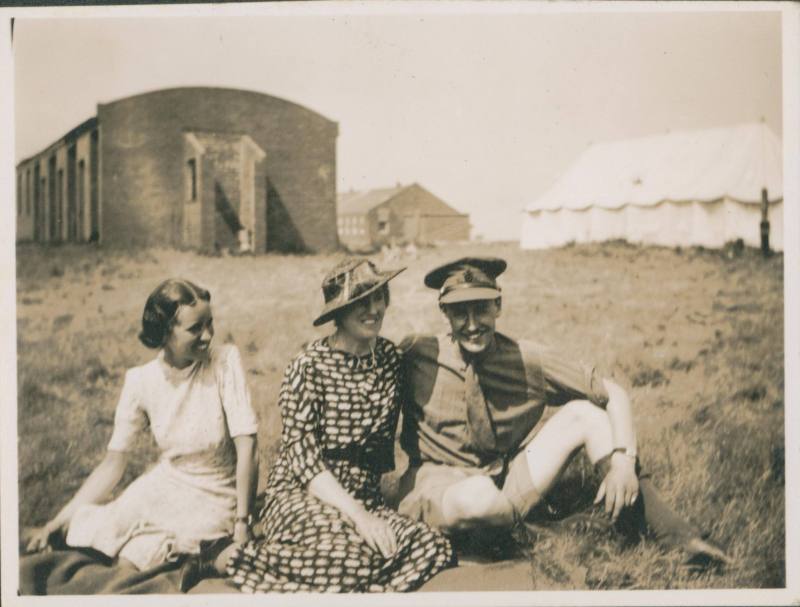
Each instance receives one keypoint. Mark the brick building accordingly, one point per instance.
(399, 215)
(194, 167)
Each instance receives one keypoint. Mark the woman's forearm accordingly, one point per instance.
(325, 487)
(97, 487)
(246, 473)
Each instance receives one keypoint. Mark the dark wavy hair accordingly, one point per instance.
(162, 306)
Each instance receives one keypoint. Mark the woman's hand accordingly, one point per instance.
(620, 486)
(241, 532)
(377, 532)
(40, 537)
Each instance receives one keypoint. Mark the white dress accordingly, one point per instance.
(190, 494)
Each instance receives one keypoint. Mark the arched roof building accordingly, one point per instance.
(191, 167)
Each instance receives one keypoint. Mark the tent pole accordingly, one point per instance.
(764, 223)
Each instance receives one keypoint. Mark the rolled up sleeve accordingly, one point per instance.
(567, 380)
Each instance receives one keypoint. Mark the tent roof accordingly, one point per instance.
(704, 165)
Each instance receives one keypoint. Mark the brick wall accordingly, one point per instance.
(142, 163)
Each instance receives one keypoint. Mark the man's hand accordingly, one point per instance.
(377, 533)
(620, 486)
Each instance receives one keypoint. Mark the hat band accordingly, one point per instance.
(467, 285)
(350, 284)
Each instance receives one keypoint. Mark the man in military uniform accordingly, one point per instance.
(478, 456)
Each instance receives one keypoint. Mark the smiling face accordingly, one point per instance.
(473, 323)
(191, 334)
(361, 321)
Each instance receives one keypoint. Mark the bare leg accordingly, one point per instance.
(582, 424)
(534, 471)
(476, 501)
(577, 424)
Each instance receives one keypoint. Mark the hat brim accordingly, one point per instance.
(492, 266)
(469, 294)
(331, 309)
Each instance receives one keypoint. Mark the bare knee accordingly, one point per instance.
(584, 413)
(475, 501)
(591, 424)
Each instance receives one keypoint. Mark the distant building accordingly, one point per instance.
(399, 215)
(195, 167)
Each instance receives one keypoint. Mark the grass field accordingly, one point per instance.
(697, 337)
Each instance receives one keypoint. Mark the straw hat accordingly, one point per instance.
(349, 281)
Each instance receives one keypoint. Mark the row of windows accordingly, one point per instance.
(352, 220)
(383, 228)
(28, 193)
(25, 194)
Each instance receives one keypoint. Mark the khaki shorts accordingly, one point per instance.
(421, 490)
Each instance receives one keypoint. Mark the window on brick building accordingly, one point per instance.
(81, 195)
(383, 221)
(191, 179)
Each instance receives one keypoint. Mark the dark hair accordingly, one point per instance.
(162, 306)
(342, 311)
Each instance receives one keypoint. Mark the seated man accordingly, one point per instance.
(478, 456)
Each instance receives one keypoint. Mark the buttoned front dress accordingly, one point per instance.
(190, 494)
(339, 413)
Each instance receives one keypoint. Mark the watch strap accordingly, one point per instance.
(626, 451)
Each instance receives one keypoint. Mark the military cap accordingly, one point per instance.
(466, 279)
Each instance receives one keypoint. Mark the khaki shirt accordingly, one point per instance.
(517, 378)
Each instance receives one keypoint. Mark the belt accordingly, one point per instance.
(368, 456)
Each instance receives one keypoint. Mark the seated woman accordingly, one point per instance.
(326, 528)
(195, 401)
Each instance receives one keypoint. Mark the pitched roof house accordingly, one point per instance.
(399, 215)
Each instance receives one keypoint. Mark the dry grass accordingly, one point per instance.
(695, 335)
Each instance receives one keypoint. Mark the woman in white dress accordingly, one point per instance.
(196, 403)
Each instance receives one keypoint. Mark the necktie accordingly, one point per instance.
(479, 420)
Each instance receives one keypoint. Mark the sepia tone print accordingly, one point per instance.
(402, 300)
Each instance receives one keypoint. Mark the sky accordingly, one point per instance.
(483, 107)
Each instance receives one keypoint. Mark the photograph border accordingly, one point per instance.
(791, 145)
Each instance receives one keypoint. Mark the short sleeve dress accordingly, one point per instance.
(339, 413)
(190, 494)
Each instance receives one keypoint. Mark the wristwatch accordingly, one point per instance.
(626, 451)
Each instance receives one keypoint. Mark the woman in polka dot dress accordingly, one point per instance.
(326, 528)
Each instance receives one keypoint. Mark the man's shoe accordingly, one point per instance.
(703, 552)
(486, 545)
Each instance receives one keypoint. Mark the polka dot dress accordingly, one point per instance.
(339, 413)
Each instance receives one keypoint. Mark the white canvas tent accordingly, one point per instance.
(688, 188)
